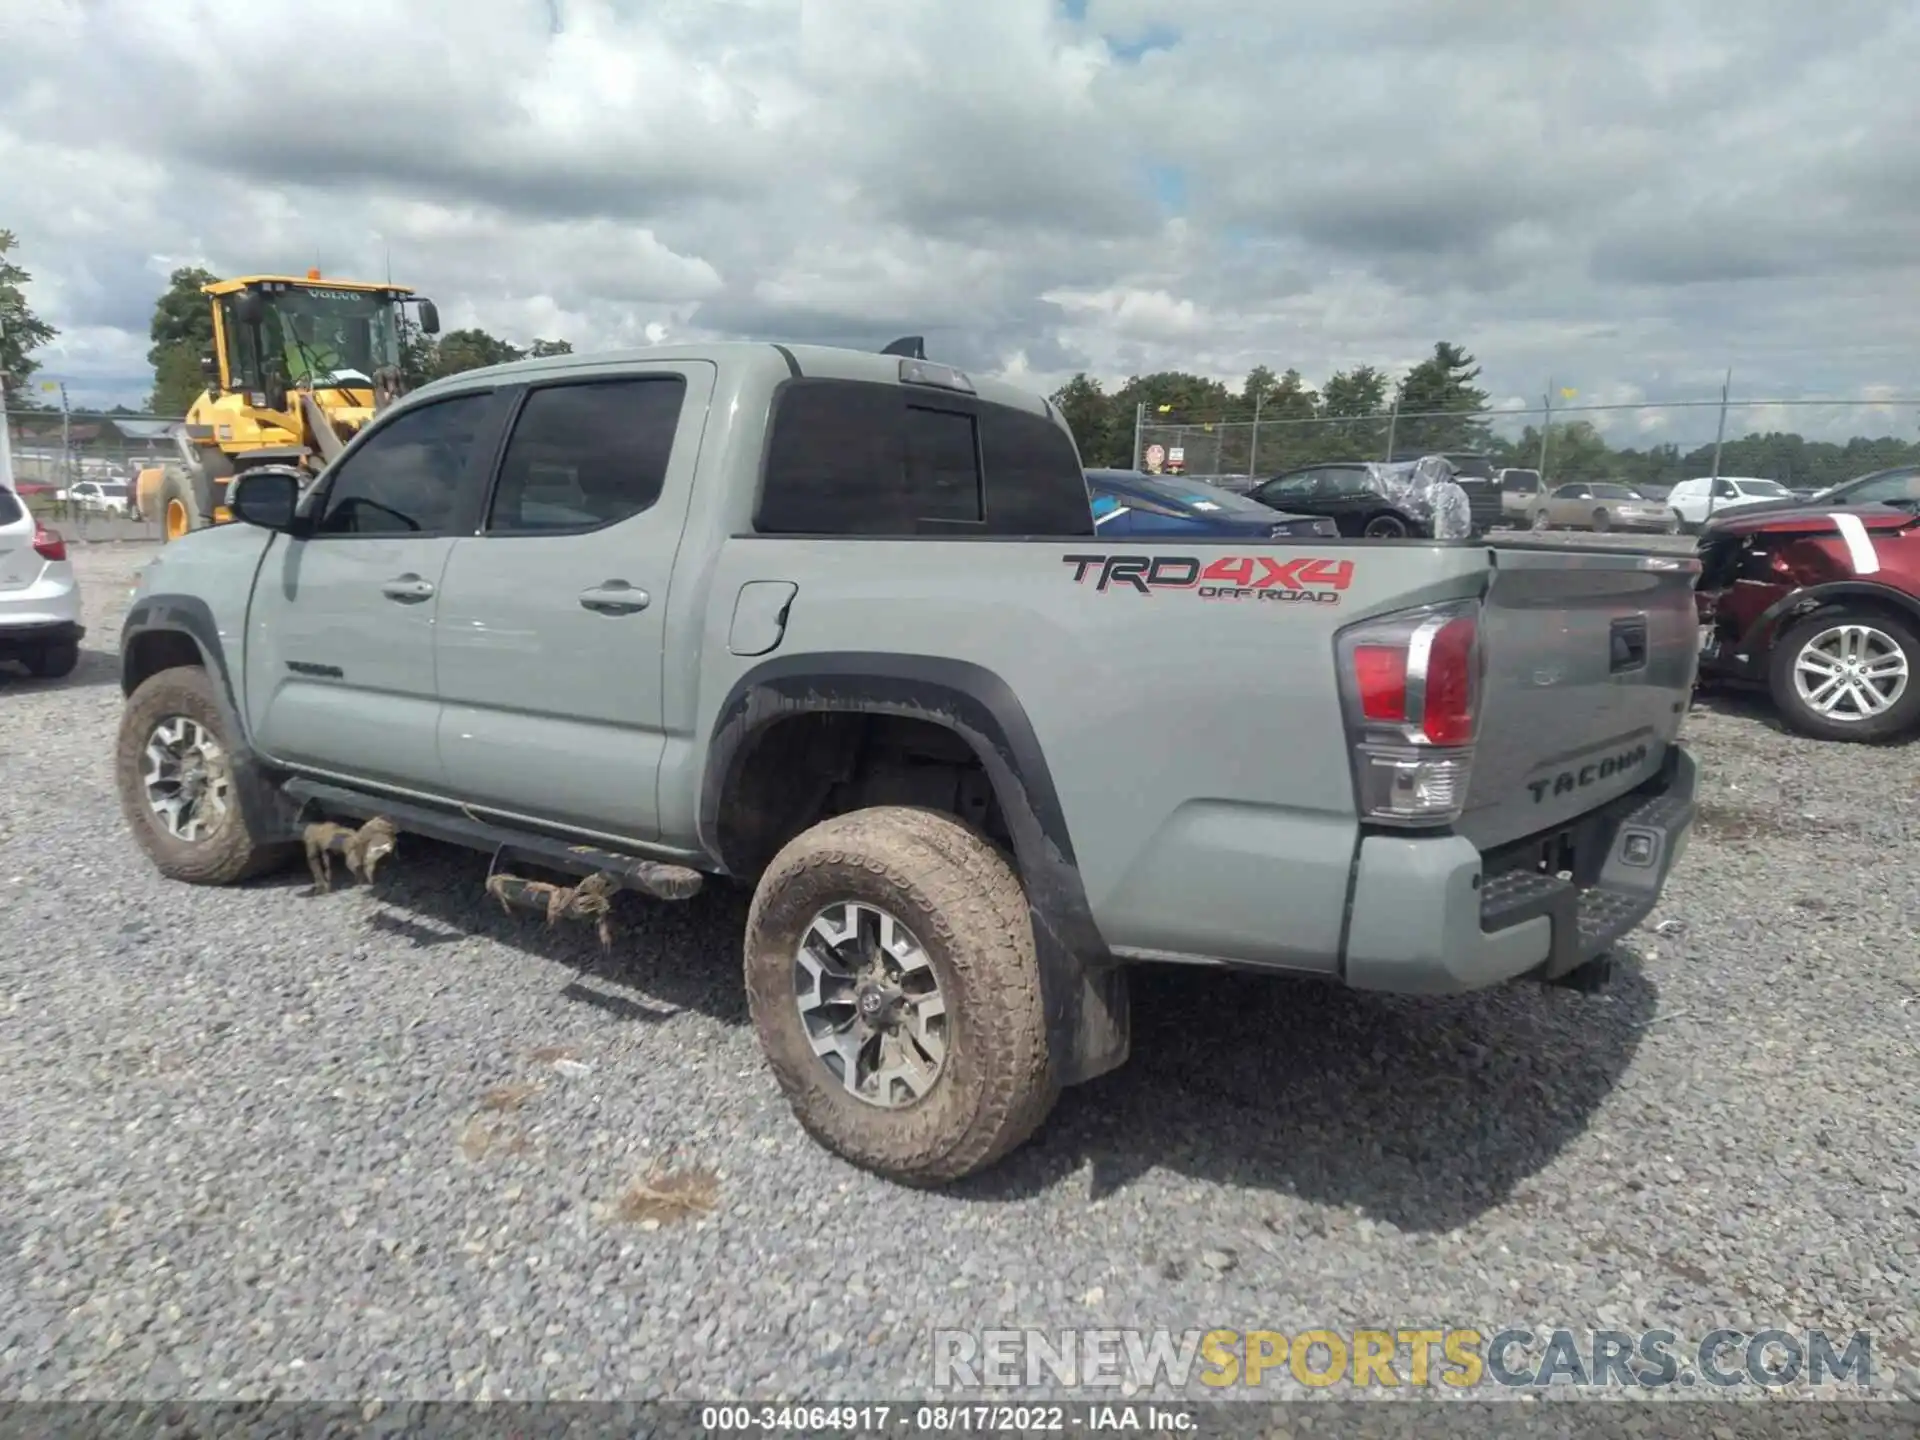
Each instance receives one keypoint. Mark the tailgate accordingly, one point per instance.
(1590, 662)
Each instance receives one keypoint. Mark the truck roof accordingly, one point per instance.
(776, 359)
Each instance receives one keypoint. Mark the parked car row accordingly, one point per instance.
(1815, 599)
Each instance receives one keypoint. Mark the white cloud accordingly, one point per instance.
(1627, 198)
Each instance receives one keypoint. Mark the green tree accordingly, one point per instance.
(418, 354)
(1289, 431)
(1089, 414)
(1350, 399)
(21, 331)
(462, 350)
(177, 381)
(1441, 387)
(1576, 451)
(182, 332)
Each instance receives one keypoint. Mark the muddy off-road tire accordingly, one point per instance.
(959, 924)
(1816, 649)
(176, 711)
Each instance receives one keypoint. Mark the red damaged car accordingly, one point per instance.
(1821, 605)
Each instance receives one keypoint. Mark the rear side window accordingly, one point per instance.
(11, 510)
(855, 458)
(1035, 485)
(584, 456)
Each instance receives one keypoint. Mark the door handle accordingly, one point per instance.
(407, 587)
(614, 597)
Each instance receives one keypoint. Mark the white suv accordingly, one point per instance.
(1695, 500)
(39, 595)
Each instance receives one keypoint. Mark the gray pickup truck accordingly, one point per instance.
(838, 627)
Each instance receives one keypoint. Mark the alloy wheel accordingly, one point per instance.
(187, 779)
(871, 1004)
(1851, 672)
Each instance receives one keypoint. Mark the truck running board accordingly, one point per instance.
(651, 877)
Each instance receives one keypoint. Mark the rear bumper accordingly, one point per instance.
(1646, 524)
(15, 639)
(1434, 916)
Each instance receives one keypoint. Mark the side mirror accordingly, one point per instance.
(268, 496)
(429, 318)
(250, 307)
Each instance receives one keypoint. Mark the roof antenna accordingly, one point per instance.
(913, 347)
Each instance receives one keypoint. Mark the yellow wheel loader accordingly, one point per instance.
(298, 366)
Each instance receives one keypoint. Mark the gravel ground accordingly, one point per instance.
(260, 1145)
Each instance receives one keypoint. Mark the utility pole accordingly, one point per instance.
(1393, 426)
(66, 441)
(1546, 429)
(1719, 437)
(1139, 428)
(1253, 445)
(6, 425)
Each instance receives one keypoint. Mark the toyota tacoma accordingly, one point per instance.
(839, 628)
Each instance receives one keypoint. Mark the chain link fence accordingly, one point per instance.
(1804, 444)
(76, 469)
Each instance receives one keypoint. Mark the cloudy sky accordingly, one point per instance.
(1627, 196)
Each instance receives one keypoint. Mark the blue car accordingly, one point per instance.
(1132, 502)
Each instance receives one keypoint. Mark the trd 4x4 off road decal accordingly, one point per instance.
(1297, 580)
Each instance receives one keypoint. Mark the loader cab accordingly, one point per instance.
(277, 334)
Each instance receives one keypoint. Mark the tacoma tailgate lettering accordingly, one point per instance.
(1592, 772)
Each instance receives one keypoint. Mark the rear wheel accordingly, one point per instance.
(53, 662)
(1386, 527)
(175, 773)
(894, 986)
(1602, 520)
(1847, 675)
(1540, 521)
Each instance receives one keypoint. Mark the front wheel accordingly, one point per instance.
(1602, 520)
(181, 511)
(1847, 675)
(175, 772)
(893, 983)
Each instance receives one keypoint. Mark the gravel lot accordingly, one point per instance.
(255, 1144)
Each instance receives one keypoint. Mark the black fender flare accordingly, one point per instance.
(179, 621)
(1082, 985)
(1767, 626)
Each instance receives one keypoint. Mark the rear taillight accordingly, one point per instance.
(47, 544)
(1410, 683)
